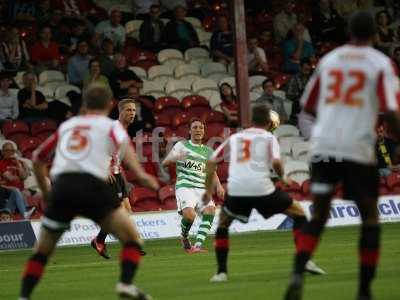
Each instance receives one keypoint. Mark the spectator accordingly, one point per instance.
(266, 41)
(221, 44)
(179, 33)
(78, 65)
(229, 105)
(296, 49)
(11, 201)
(13, 171)
(276, 103)
(95, 75)
(143, 7)
(112, 29)
(107, 58)
(43, 12)
(8, 101)
(77, 33)
(13, 52)
(57, 27)
(22, 10)
(284, 21)
(327, 24)
(385, 35)
(345, 7)
(296, 87)
(144, 119)
(122, 78)
(170, 5)
(200, 9)
(32, 103)
(385, 151)
(256, 58)
(151, 30)
(45, 53)
(396, 58)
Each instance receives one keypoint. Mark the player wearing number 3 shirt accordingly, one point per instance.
(349, 88)
(251, 152)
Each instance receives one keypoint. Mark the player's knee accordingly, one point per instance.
(189, 214)
(209, 210)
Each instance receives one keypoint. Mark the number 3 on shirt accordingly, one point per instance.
(347, 97)
(244, 150)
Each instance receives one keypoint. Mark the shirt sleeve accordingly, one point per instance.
(46, 149)
(221, 152)
(175, 151)
(274, 149)
(15, 109)
(309, 100)
(119, 138)
(388, 89)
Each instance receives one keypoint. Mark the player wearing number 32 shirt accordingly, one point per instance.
(348, 89)
(251, 152)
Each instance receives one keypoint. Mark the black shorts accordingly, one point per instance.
(359, 181)
(76, 194)
(240, 207)
(118, 187)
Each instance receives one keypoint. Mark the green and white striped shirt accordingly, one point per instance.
(191, 172)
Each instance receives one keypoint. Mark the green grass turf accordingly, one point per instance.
(259, 265)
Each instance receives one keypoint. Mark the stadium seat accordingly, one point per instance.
(16, 138)
(196, 23)
(62, 91)
(214, 130)
(44, 126)
(204, 37)
(254, 96)
(172, 135)
(214, 70)
(231, 69)
(47, 92)
(43, 136)
(288, 142)
(255, 83)
(286, 131)
(130, 176)
(180, 120)
(306, 188)
(196, 106)
(300, 151)
(162, 120)
(142, 73)
(160, 71)
(178, 88)
(132, 28)
(214, 117)
(27, 146)
(50, 76)
(170, 57)
(141, 193)
(166, 192)
(201, 84)
(393, 182)
(281, 80)
(188, 71)
(167, 106)
(229, 80)
(197, 55)
(145, 64)
(152, 88)
(213, 97)
(12, 127)
(297, 171)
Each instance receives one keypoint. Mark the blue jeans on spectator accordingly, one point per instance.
(16, 202)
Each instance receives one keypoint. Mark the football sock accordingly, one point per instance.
(369, 256)
(33, 272)
(298, 223)
(101, 236)
(204, 229)
(130, 258)
(185, 227)
(307, 242)
(222, 249)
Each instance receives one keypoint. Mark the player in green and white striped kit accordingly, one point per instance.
(190, 158)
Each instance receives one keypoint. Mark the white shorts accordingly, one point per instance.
(191, 197)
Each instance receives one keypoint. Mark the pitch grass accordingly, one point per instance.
(259, 266)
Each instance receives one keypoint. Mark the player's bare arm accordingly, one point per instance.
(219, 189)
(210, 180)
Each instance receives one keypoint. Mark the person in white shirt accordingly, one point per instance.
(256, 58)
(79, 172)
(251, 152)
(8, 101)
(112, 29)
(347, 91)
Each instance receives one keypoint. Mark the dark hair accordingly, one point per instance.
(223, 98)
(155, 6)
(97, 97)
(266, 81)
(362, 26)
(261, 114)
(192, 120)
(93, 60)
(379, 13)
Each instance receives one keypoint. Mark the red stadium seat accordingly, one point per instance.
(138, 194)
(27, 146)
(12, 127)
(130, 176)
(180, 120)
(305, 188)
(393, 183)
(43, 126)
(222, 171)
(191, 101)
(172, 135)
(167, 105)
(214, 130)
(162, 120)
(16, 138)
(145, 64)
(281, 80)
(213, 117)
(166, 192)
(43, 136)
(147, 205)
